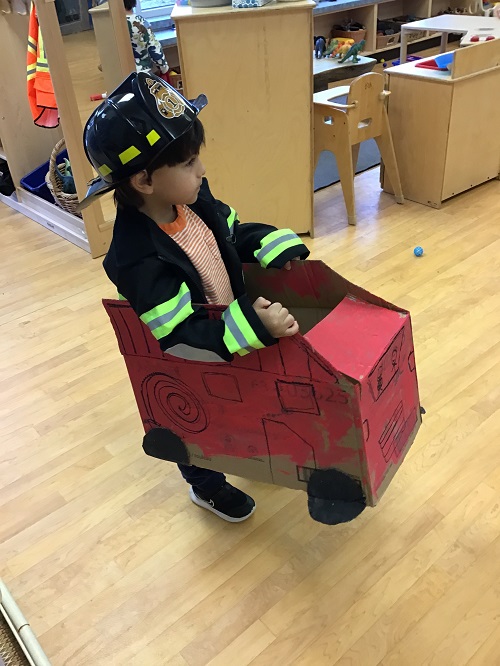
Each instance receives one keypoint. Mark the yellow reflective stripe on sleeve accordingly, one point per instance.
(232, 217)
(239, 336)
(163, 318)
(274, 244)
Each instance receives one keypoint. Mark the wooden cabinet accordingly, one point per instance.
(443, 124)
(255, 68)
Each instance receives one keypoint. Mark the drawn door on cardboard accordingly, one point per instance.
(276, 433)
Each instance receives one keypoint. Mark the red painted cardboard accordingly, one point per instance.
(340, 395)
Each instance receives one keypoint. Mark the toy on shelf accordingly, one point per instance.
(441, 63)
(319, 47)
(342, 50)
(331, 49)
(64, 172)
(353, 52)
(342, 47)
(397, 62)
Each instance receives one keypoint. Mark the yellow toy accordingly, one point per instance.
(340, 49)
(343, 49)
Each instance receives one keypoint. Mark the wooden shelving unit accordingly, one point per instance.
(26, 146)
(325, 14)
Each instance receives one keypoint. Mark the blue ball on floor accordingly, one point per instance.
(418, 251)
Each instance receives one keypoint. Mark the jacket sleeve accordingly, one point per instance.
(154, 48)
(262, 243)
(163, 303)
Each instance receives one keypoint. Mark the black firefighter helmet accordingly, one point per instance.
(132, 127)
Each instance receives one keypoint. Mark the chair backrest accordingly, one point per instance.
(366, 119)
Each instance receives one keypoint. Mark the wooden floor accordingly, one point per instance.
(113, 565)
(111, 562)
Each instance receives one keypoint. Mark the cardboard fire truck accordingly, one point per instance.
(332, 410)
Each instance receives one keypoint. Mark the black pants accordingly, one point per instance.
(206, 481)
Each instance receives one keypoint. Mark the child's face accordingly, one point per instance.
(179, 184)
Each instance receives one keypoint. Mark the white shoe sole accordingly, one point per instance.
(206, 505)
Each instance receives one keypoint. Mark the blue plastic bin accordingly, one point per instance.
(35, 180)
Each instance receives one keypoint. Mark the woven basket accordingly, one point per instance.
(355, 35)
(67, 202)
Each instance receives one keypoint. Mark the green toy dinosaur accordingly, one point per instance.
(68, 183)
(332, 46)
(353, 52)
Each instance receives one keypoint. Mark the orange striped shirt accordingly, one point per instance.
(194, 237)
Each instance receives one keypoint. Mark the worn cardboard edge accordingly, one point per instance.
(391, 471)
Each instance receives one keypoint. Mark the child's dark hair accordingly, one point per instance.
(129, 4)
(180, 150)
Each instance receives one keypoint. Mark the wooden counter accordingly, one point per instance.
(255, 66)
(443, 124)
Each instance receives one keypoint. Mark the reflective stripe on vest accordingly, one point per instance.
(41, 95)
(239, 336)
(163, 318)
(274, 244)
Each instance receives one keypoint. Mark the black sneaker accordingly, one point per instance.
(228, 503)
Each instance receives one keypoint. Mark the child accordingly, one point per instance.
(174, 245)
(148, 52)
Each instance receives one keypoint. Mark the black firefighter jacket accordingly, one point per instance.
(157, 278)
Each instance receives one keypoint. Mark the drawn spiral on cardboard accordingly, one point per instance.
(167, 397)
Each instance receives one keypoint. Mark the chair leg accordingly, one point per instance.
(386, 147)
(343, 154)
(355, 155)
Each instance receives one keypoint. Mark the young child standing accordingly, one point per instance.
(175, 246)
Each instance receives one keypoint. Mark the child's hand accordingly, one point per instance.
(278, 321)
(496, 11)
(288, 265)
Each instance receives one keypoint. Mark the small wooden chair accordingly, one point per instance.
(340, 128)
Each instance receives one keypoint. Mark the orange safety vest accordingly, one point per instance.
(40, 90)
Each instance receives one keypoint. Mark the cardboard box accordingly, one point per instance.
(332, 410)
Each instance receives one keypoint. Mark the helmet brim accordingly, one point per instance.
(199, 103)
(96, 189)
